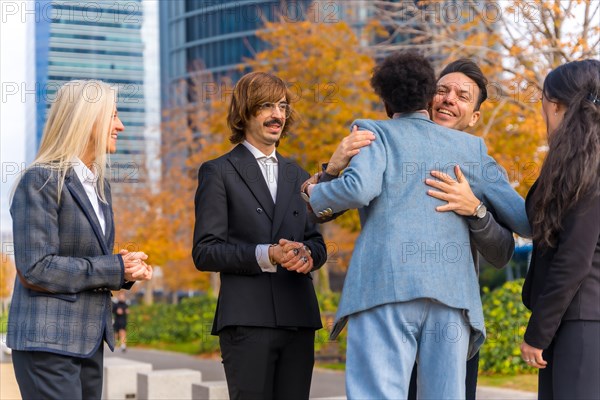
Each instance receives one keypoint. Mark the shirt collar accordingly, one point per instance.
(85, 175)
(259, 154)
(418, 113)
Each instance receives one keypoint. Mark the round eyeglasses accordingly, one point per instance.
(284, 108)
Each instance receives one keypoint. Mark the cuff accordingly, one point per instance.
(325, 177)
(262, 258)
(477, 224)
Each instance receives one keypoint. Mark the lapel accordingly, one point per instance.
(247, 168)
(109, 236)
(285, 189)
(78, 192)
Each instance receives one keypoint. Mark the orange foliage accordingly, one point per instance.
(7, 276)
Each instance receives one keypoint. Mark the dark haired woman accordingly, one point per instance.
(562, 288)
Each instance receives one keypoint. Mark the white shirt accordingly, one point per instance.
(88, 180)
(268, 166)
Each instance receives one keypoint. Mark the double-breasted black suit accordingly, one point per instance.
(234, 213)
(265, 320)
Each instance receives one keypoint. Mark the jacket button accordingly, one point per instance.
(292, 238)
(296, 213)
(259, 210)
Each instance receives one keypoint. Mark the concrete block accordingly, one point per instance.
(175, 384)
(212, 390)
(120, 378)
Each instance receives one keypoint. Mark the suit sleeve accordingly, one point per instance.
(500, 195)
(211, 251)
(35, 212)
(492, 240)
(361, 181)
(571, 264)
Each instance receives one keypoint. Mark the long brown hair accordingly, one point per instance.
(571, 170)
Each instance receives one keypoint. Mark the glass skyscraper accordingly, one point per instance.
(214, 37)
(95, 40)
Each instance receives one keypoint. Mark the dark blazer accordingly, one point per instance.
(234, 213)
(563, 283)
(60, 251)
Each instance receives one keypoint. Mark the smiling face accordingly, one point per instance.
(264, 128)
(116, 126)
(453, 105)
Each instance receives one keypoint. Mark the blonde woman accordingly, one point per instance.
(63, 232)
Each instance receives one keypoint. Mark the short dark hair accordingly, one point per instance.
(473, 72)
(405, 81)
(249, 93)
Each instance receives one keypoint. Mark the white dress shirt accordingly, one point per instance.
(88, 180)
(268, 166)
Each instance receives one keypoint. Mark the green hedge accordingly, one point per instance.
(506, 319)
(191, 321)
(3, 322)
(188, 321)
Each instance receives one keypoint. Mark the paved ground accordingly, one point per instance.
(326, 384)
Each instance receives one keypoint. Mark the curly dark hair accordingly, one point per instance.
(473, 72)
(571, 170)
(405, 81)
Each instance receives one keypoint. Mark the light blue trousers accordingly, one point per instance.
(384, 342)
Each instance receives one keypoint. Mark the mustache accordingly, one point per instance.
(273, 121)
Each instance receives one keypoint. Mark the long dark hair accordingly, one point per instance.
(572, 167)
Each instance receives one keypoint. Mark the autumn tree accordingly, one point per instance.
(159, 219)
(7, 279)
(516, 43)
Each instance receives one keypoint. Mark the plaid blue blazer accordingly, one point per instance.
(66, 269)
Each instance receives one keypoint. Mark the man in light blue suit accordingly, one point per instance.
(411, 291)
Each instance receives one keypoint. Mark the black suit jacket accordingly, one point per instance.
(234, 213)
(563, 283)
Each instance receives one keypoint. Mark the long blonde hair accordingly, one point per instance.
(82, 111)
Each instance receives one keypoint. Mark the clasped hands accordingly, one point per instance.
(136, 268)
(293, 256)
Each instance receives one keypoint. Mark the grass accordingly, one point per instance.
(334, 366)
(3, 322)
(527, 382)
(191, 348)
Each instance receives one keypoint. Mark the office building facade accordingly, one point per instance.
(96, 40)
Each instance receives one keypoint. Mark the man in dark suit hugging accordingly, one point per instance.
(252, 227)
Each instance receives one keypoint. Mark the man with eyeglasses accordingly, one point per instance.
(252, 227)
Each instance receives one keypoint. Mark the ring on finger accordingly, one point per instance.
(304, 260)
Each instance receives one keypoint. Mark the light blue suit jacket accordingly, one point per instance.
(406, 249)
